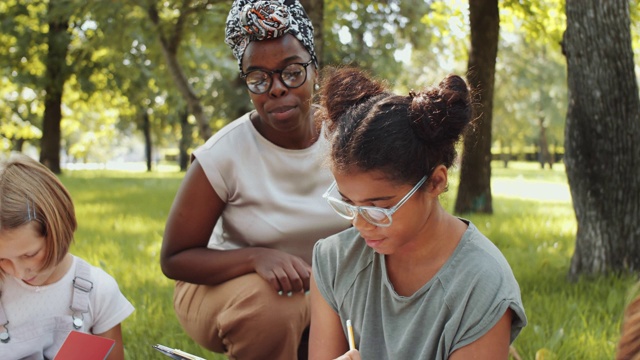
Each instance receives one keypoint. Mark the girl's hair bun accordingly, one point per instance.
(404, 137)
(456, 84)
(439, 115)
(344, 89)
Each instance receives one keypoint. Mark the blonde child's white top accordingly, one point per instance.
(273, 195)
(40, 317)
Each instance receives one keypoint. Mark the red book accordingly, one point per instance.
(83, 346)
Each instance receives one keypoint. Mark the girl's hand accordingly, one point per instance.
(350, 355)
(285, 272)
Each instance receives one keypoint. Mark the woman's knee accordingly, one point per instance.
(243, 308)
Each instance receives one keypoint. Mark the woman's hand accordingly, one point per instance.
(185, 256)
(285, 272)
(350, 355)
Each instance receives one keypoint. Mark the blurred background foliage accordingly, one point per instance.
(148, 79)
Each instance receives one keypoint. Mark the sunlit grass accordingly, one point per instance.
(121, 218)
(534, 226)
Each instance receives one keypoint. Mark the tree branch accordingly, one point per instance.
(155, 19)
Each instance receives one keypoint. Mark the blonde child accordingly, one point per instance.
(46, 292)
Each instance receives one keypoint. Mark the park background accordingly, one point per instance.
(113, 96)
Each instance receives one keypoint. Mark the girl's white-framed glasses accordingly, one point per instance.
(374, 215)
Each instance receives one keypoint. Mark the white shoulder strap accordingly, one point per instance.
(82, 286)
(4, 331)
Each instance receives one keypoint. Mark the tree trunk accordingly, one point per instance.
(185, 140)
(146, 129)
(58, 40)
(474, 192)
(505, 153)
(187, 92)
(17, 144)
(169, 45)
(544, 157)
(602, 137)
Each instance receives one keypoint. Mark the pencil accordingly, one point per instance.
(352, 341)
(186, 355)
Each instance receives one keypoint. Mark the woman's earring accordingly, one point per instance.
(316, 86)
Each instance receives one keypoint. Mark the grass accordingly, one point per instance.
(121, 218)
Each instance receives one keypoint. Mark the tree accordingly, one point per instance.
(170, 34)
(26, 27)
(602, 136)
(50, 42)
(58, 40)
(139, 68)
(368, 34)
(530, 101)
(474, 191)
(20, 109)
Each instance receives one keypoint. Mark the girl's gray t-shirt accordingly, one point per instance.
(460, 304)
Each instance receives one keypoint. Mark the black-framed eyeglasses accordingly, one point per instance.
(374, 215)
(292, 76)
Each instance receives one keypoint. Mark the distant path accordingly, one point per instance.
(530, 189)
(510, 187)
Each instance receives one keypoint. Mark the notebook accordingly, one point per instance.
(83, 346)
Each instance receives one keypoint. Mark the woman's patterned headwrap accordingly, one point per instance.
(251, 20)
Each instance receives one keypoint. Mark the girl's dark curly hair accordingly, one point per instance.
(405, 137)
(629, 344)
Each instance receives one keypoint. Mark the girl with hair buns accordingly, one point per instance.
(414, 281)
(241, 230)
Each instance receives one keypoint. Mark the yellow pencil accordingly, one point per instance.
(352, 341)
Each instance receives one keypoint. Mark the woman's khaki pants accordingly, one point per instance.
(244, 318)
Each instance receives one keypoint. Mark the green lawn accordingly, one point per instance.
(121, 218)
